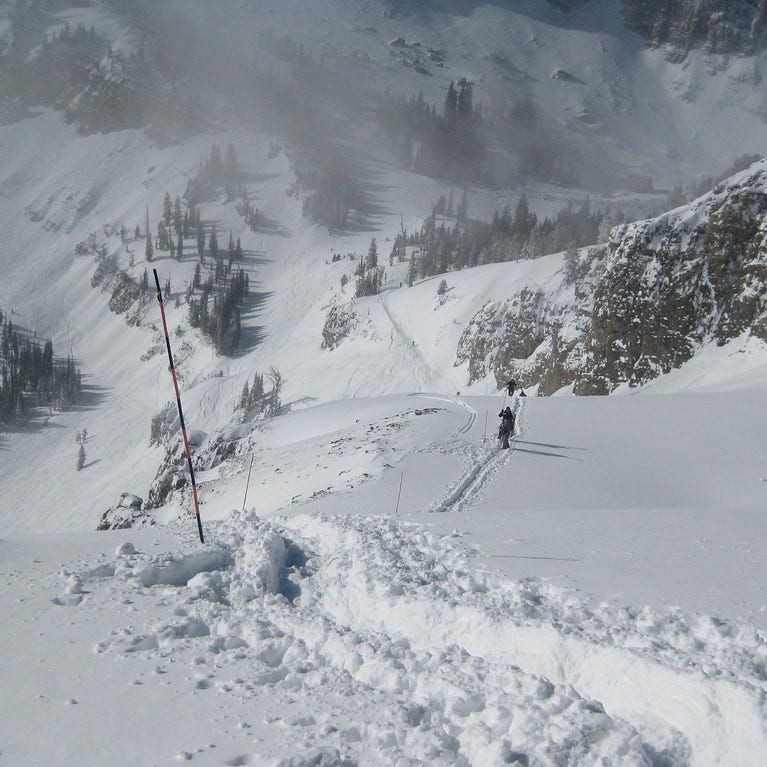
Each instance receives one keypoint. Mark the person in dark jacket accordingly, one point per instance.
(506, 428)
(511, 385)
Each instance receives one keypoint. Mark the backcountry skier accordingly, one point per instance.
(511, 385)
(506, 428)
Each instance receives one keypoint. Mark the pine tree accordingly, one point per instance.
(244, 396)
(571, 265)
(201, 243)
(213, 243)
(149, 251)
(463, 207)
(412, 272)
(177, 217)
(80, 457)
(167, 211)
(372, 258)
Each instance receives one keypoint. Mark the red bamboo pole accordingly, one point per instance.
(178, 402)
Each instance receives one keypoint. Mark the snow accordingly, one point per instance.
(396, 590)
(493, 614)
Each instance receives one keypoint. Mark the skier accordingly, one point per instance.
(511, 385)
(506, 428)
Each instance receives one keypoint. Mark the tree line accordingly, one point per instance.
(219, 318)
(31, 376)
(448, 144)
(442, 247)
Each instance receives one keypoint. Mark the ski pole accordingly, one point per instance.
(180, 411)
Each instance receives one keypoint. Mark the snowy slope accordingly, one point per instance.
(329, 630)
(549, 605)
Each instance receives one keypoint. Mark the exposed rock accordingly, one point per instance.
(340, 322)
(639, 307)
(127, 513)
(565, 76)
(719, 26)
(670, 283)
(125, 292)
(567, 5)
(533, 337)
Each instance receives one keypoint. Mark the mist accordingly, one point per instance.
(470, 94)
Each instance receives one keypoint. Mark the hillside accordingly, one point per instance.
(366, 217)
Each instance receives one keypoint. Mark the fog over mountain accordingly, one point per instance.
(374, 225)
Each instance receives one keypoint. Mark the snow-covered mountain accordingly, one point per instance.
(381, 585)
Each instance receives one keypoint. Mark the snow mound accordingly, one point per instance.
(391, 629)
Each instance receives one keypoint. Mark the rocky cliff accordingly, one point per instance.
(719, 26)
(636, 308)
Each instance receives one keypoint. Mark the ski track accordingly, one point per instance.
(485, 462)
(440, 664)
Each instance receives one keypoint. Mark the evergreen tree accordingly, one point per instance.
(149, 251)
(412, 272)
(463, 207)
(80, 457)
(372, 257)
(178, 219)
(244, 396)
(201, 243)
(213, 243)
(166, 210)
(162, 236)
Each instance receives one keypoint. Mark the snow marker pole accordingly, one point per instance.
(178, 402)
(247, 484)
(484, 433)
(396, 508)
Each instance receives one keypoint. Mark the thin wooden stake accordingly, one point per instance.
(247, 484)
(396, 508)
(180, 411)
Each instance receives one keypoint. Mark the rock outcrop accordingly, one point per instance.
(640, 306)
(340, 322)
(128, 513)
(719, 26)
(697, 273)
